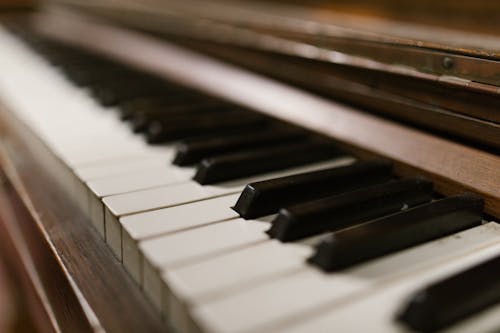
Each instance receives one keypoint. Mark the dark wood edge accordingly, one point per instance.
(453, 167)
(52, 298)
(87, 289)
(396, 97)
(17, 259)
(347, 43)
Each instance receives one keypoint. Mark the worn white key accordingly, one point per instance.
(283, 300)
(178, 248)
(219, 276)
(381, 319)
(189, 246)
(122, 166)
(124, 235)
(139, 180)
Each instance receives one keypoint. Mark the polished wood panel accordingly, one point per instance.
(421, 103)
(454, 167)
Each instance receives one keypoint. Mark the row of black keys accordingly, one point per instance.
(383, 215)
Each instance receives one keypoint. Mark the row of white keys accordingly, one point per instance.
(116, 207)
(78, 131)
(379, 308)
(68, 120)
(102, 152)
(123, 166)
(132, 229)
(283, 302)
(138, 180)
(220, 276)
(194, 245)
(187, 205)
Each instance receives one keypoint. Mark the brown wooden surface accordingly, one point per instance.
(85, 287)
(406, 99)
(313, 33)
(454, 167)
(17, 229)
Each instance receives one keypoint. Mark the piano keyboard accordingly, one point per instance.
(231, 221)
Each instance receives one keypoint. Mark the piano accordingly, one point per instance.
(166, 169)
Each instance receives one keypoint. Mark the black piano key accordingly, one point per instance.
(170, 100)
(344, 210)
(397, 232)
(123, 89)
(267, 197)
(247, 163)
(179, 115)
(194, 151)
(455, 298)
(203, 125)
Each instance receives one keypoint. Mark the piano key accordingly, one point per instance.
(180, 116)
(448, 301)
(126, 234)
(139, 180)
(163, 131)
(398, 231)
(171, 102)
(267, 197)
(193, 151)
(219, 276)
(129, 87)
(247, 163)
(484, 321)
(183, 247)
(293, 298)
(344, 210)
(118, 167)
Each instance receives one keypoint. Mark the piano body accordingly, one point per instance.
(249, 168)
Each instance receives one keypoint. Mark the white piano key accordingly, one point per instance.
(162, 221)
(381, 319)
(117, 167)
(134, 228)
(208, 279)
(222, 275)
(188, 246)
(139, 180)
(309, 290)
(175, 249)
(191, 191)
